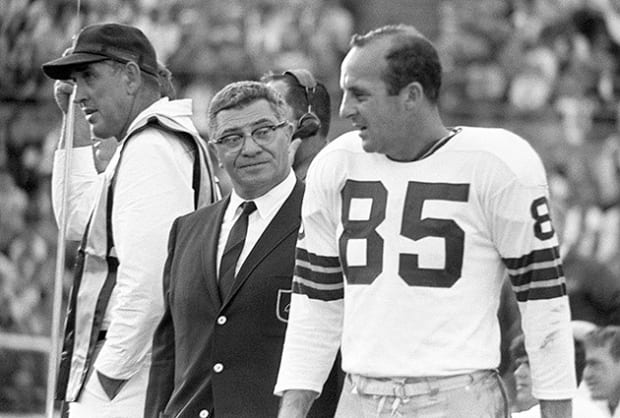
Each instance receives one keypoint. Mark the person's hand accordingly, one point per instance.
(110, 386)
(62, 94)
(296, 403)
(292, 150)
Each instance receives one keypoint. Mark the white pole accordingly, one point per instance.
(60, 262)
(52, 363)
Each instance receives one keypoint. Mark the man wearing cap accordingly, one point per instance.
(160, 171)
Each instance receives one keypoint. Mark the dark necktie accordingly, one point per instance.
(233, 248)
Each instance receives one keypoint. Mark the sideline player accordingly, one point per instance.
(409, 229)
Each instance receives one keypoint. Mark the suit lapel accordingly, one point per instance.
(281, 226)
(212, 229)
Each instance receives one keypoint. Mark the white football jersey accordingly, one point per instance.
(402, 264)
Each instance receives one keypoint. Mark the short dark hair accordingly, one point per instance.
(411, 57)
(240, 94)
(604, 336)
(296, 99)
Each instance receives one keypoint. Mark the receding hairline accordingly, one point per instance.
(238, 95)
(391, 37)
(389, 32)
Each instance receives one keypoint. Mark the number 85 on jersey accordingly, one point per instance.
(414, 227)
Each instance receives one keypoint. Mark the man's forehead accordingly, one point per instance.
(256, 112)
(369, 55)
(362, 63)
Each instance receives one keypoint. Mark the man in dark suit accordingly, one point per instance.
(217, 349)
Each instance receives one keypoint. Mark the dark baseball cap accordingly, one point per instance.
(105, 41)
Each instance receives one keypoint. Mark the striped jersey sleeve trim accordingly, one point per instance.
(537, 275)
(317, 260)
(535, 257)
(318, 277)
(538, 293)
(316, 291)
(541, 274)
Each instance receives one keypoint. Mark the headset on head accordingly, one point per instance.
(309, 123)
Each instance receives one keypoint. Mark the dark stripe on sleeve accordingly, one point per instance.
(318, 276)
(536, 256)
(317, 260)
(537, 275)
(312, 293)
(538, 293)
(301, 254)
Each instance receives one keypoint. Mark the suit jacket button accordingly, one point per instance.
(222, 320)
(218, 367)
(203, 414)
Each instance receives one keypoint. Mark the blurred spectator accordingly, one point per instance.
(533, 85)
(526, 405)
(158, 24)
(26, 274)
(594, 290)
(312, 34)
(602, 370)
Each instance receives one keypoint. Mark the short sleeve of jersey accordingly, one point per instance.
(318, 273)
(315, 319)
(522, 230)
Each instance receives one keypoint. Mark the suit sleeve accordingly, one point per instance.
(161, 377)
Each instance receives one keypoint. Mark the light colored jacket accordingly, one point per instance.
(127, 212)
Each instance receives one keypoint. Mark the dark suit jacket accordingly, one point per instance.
(223, 356)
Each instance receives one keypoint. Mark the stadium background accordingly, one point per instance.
(547, 69)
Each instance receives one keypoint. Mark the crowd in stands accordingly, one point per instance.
(552, 65)
(550, 70)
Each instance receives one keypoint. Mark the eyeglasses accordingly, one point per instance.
(262, 135)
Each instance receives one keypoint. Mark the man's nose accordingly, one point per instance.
(346, 107)
(249, 146)
(80, 93)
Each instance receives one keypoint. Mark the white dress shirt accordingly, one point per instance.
(267, 206)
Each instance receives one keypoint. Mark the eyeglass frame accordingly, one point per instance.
(243, 135)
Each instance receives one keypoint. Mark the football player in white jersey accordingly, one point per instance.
(409, 229)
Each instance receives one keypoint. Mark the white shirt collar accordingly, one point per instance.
(270, 201)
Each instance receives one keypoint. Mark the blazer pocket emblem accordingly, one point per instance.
(283, 304)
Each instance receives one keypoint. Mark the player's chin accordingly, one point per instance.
(100, 129)
(368, 144)
(596, 393)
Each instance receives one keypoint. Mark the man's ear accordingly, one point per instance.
(292, 150)
(290, 128)
(133, 77)
(411, 94)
